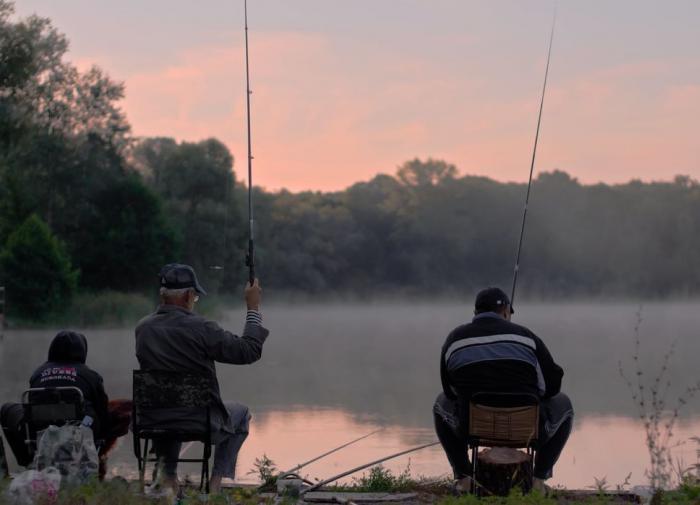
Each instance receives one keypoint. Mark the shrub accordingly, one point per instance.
(37, 271)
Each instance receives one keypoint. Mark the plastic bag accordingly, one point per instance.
(33, 486)
(71, 449)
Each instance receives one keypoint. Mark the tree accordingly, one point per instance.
(62, 133)
(197, 183)
(127, 238)
(37, 271)
(431, 172)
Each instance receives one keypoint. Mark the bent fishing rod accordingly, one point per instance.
(362, 467)
(532, 163)
(250, 255)
(327, 453)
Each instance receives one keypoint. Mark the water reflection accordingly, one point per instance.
(602, 447)
(334, 372)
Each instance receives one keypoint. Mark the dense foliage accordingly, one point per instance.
(455, 234)
(124, 206)
(37, 270)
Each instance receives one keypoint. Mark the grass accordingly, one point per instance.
(382, 480)
(120, 492)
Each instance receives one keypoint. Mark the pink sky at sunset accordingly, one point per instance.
(340, 96)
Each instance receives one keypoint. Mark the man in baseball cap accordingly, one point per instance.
(493, 355)
(174, 338)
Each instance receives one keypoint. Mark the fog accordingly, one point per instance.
(382, 359)
(331, 372)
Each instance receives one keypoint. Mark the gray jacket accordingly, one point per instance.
(175, 339)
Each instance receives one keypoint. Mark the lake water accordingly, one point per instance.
(333, 372)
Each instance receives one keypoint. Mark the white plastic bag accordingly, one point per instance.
(33, 486)
(69, 448)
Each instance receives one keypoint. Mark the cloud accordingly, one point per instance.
(328, 112)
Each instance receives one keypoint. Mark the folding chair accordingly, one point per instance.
(50, 406)
(502, 420)
(155, 394)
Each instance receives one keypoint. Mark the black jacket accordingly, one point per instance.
(175, 339)
(66, 367)
(494, 355)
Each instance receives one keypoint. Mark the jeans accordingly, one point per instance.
(227, 445)
(556, 421)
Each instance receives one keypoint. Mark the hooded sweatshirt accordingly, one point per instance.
(66, 367)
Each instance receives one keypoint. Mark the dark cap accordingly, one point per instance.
(491, 300)
(178, 276)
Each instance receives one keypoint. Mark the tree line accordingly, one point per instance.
(84, 206)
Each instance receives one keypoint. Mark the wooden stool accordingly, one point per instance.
(503, 422)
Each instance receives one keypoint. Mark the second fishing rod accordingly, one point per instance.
(250, 254)
(516, 268)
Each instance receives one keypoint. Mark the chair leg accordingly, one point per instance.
(475, 454)
(205, 467)
(203, 483)
(142, 463)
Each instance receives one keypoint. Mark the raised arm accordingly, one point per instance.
(225, 347)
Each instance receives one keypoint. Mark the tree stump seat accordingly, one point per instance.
(501, 469)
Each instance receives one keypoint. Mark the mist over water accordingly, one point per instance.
(332, 372)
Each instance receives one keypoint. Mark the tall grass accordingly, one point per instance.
(107, 309)
(657, 412)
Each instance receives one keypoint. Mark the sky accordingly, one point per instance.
(346, 89)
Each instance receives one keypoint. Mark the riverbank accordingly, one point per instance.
(121, 492)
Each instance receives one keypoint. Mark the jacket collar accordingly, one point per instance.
(166, 309)
(487, 315)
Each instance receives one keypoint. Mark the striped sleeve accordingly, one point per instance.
(253, 317)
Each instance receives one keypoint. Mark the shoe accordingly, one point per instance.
(167, 487)
(539, 486)
(464, 485)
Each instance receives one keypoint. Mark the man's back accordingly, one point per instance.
(175, 339)
(171, 339)
(491, 354)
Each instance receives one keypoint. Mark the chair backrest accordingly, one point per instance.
(160, 389)
(53, 405)
(504, 419)
(172, 404)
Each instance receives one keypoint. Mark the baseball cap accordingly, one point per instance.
(492, 300)
(179, 276)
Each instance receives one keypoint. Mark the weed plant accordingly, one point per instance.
(656, 414)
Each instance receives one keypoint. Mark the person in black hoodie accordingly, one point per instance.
(66, 367)
(494, 355)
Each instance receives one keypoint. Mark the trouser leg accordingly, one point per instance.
(556, 421)
(449, 432)
(167, 452)
(12, 420)
(229, 444)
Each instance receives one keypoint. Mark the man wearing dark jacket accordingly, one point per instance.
(65, 367)
(175, 339)
(492, 354)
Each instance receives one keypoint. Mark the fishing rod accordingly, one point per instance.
(532, 163)
(250, 256)
(362, 467)
(302, 465)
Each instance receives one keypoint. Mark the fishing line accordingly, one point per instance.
(532, 162)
